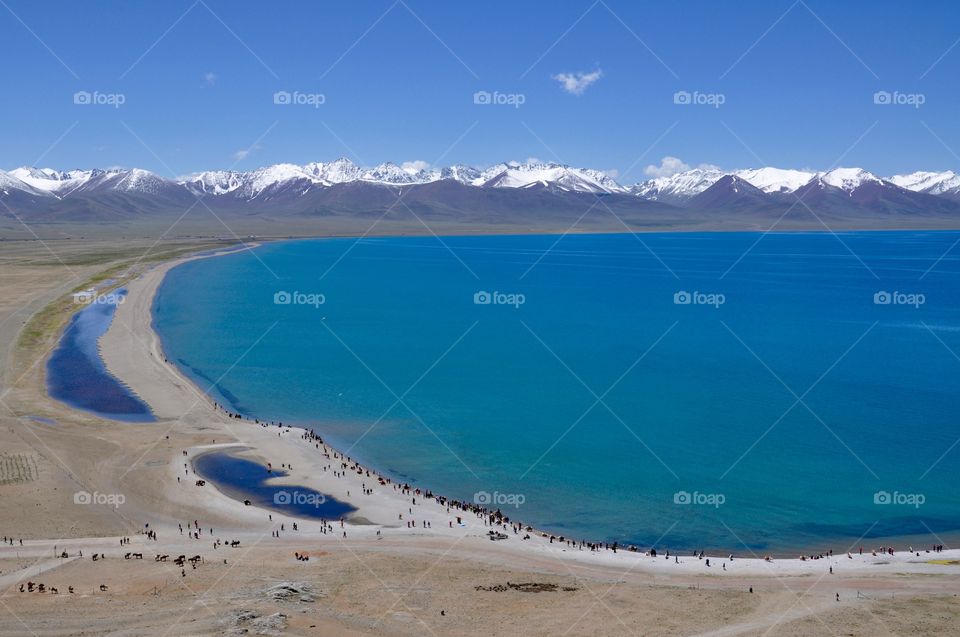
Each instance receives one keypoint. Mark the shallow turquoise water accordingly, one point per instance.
(787, 412)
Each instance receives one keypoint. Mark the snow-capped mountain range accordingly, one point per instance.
(292, 180)
(61, 184)
(268, 181)
(684, 186)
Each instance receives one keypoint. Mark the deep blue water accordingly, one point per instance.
(77, 375)
(787, 413)
(247, 480)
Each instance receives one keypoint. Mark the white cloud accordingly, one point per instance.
(209, 78)
(613, 173)
(577, 83)
(670, 166)
(415, 166)
(240, 155)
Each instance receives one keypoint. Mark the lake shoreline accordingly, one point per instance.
(168, 371)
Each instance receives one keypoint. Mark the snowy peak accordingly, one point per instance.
(679, 187)
(143, 181)
(10, 182)
(848, 179)
(339, 171)
(686, 185)
(460, 173)
(249, 185)
(772, 180)
(549, 175)
(27, 172)
(213, 182)
(932, 183)
(49, 180)
(270, 180)
(390, 173)
(603, 179)
(730, 192)
(63, 183)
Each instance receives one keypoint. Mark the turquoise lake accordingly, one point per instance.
(805, 396)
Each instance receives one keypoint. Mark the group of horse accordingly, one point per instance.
(180, 561)
(32, 587)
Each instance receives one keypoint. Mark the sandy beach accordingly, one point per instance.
(401, 564)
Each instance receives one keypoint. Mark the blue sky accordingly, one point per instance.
(797, 82)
